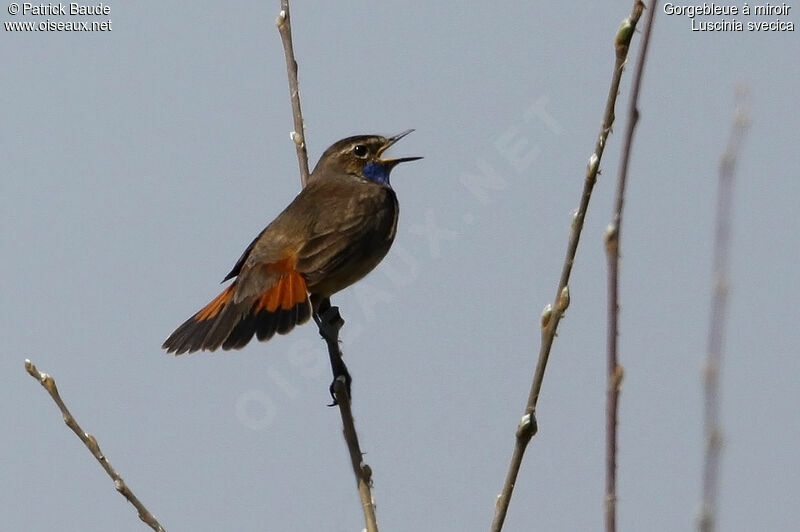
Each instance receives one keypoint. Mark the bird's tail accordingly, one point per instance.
(230, 324)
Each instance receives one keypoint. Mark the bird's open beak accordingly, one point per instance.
(391, 141)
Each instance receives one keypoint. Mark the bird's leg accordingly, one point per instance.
(330, 322)
(328, 319)
(340, 372)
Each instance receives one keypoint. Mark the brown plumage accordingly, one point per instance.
(331, 235)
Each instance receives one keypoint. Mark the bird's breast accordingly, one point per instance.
(358, 249)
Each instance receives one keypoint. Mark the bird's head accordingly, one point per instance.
(361, 156)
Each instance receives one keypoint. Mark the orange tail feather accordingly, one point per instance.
(232, 325)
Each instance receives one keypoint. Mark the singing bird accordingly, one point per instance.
(337, 229)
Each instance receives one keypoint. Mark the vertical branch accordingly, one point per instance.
(90, 442)
(712, 429)
(329, 321)
(612, 240)
(298, 135)
(552, 314)
(361, 470)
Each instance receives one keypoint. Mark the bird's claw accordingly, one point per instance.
(346, 380)
(331, 322)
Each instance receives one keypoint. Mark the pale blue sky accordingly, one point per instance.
(139, 163)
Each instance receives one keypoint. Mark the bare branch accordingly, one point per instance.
(553, 313)
(613, 237)
(362, 471)
(330, 322)
(712, 428)
(298, 135)
(329, 329)
(91, 443)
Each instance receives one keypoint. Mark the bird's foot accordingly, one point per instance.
(341, 380)
(330, 322)
(327, 317)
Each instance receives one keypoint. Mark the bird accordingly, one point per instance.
(334, 232)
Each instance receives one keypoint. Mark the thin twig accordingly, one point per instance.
(298, 135)
(330, 322)
(712, 429)
(552, 314)
(91, 443)
(330, 329)
(362, 471)
(612, 239)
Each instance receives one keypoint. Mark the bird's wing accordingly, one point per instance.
(329, 221)
(239, 263)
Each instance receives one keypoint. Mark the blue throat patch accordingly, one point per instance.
(378, 173)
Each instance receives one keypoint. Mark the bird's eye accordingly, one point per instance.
(360, 151)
